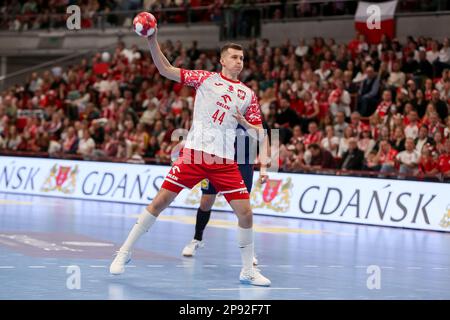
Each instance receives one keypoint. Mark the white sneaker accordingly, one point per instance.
(254, 278)
(255, 261)
(118, 265)
(189, 250)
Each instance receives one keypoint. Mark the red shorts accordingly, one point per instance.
(225, 177)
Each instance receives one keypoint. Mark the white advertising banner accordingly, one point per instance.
(396, 203)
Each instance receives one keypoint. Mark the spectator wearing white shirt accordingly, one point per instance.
(339, 100)
(302, 49)
(412, 129)
(323, 72)
(423, 139)
(433, 54)
(330, 142)
(408, 159)
(86, 144)
(443, 61)
(396, 77)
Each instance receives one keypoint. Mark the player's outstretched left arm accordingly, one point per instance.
(162, 64)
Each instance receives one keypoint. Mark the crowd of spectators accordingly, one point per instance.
(348, 106)
(39, 14)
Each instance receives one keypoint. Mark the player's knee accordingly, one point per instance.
(157, 205)
(206, 203)
(246, 213)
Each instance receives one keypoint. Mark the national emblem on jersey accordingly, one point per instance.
(241, 94)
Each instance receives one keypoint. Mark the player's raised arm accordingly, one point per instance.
(162, 64)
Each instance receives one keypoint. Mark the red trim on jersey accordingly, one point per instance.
(228, 79)
(253, 113)
(181, 76)
(194, 78)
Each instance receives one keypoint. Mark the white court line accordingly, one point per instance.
(37, 267)
(7, 267)
(325, 289)
(235, 265)
(132, 266)
(414, 268)
(181, 266)
(361, 267)
(252, 288)
(155, 265)
(335, 266)
(422, 290)
(97, 266)
(387, 267)
(439, 268)
(310, 266)
(285, 266)
(210, 265)
(262, 266)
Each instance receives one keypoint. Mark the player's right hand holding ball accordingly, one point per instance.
(145, 24)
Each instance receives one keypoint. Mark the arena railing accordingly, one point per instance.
(21, 76)
(155, 161)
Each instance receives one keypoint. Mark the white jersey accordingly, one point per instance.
(213, 127)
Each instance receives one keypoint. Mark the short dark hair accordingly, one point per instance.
(314, 146)
(231, 45)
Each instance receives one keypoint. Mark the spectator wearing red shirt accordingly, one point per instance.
(427, 163)
(386, 157)
(355, 122)
(385, 105)
(444, 161)
(435, 124)
(314, 134)
(70, 143)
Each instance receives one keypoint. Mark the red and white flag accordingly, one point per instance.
(375, 19)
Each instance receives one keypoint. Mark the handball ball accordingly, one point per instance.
(144, 24)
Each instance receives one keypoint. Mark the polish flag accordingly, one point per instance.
(375, 19)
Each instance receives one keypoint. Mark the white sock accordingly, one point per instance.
(245, 240)
(143, 224)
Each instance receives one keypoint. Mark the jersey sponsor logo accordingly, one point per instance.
(226, 98)
(175, 169)
(220, 104)
(241, 94)
(171, 176)
(61, 178)
(218, 84)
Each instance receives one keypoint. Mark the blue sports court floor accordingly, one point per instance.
(54, 248)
